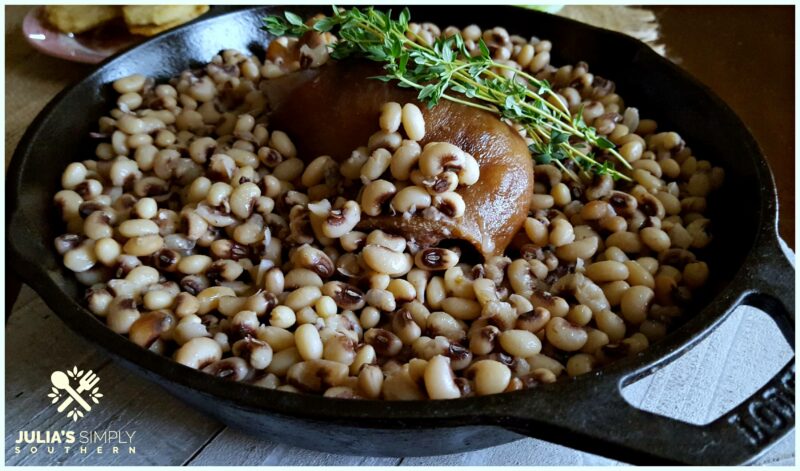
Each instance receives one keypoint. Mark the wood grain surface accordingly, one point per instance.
(715, 376)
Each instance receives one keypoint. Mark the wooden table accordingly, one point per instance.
(716, 375)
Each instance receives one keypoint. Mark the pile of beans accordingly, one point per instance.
(203, 236)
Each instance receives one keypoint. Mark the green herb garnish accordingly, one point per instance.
(446, 70)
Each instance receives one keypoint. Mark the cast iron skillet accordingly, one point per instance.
(588, 413)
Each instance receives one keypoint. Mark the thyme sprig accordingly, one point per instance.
(446, 70)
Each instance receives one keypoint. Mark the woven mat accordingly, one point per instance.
(633, 21)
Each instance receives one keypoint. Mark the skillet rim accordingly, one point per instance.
(383, 414)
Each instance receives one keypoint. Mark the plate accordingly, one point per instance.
(90, 47)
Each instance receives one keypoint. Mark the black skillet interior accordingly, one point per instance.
(744, 207)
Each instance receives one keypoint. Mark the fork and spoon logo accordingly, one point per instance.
(63, 382)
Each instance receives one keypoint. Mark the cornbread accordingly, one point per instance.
(149, 20)
(80, 18)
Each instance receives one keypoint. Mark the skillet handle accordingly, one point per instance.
(599, 420)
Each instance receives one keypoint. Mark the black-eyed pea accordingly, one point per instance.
(278, 338)
(325, 307)
(699, 230)
(595, 339)
(390, 118)
(439, 379)
(521, 276)
(653, 330)
(189, 326)
(194, 264)
(259, 354)
(370, 381)
(231, 369)
(369, 317)
(437, 157)
(611, 324)
(693, 204)
(387, 261)
(584, 290)
(595, 210)
(541, 361)
(556, 305)
(399, 386)
(411, 199)
(628, 242)
(99, 299)
(484, 340)
(561, 194)
(456, 283)
(443, 324)
(435, 292)
(490, 376)
(636, 343)
(198, 352)
(639, 275)
(351, 167)
(520, 343)
(485, 290)
(579, 315)
(375, 196)
(648, 263)
(384, 342)
(561, 233)
(107, 251)
(342, 220)
(283, 360)
(538, 201)
(635, 304)
(679, 237)
(614, 290)
(143, 246)
(308, 342)
(316, 375)
(716, 177)
(129, 84)
(405, 327)
(537, 232)
(450, 203)
(150, 327)
(583, 248)
(186, 304)
(580, 364)
(655, 239)
(699, 185)
(158, 299)
(615, 254)
(413, 122)
(470, 174)
(461, 308)
(564, 335)
(607, 271)
(388, 141)
(281, 142)
(299, 277)
(695, 274)
(282, 316)
(375, 165)
(672, 205)
(402, 290)
(534, 320)
(500, 314)
(419, 312)
(381, 299)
